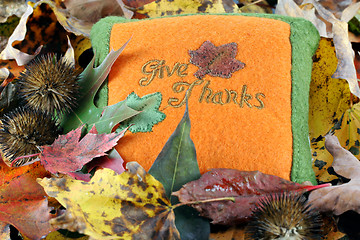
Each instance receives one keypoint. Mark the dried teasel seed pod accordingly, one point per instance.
(49, 84)
(284, 216)
(22, 131)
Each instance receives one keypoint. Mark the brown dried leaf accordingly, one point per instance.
(79, 16)
(290, 8)
(341, 198)
(330, 22)
(92, 11)
(18, 35)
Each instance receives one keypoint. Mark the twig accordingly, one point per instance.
(205, 201)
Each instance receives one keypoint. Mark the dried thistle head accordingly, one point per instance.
(284, 216)
(49, 84)
(22, 131)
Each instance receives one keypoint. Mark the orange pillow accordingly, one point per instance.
(247, 79)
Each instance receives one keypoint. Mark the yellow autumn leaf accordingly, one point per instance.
(175, 7)
(254, 6)
(81, 44)
(131, 205)
(58, 236)
(329, 99)
(348, 131)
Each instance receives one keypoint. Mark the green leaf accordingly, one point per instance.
(190, 225)
(149, 115)
(177, 163)
(175, 166)
(354, 24)
(86, 112)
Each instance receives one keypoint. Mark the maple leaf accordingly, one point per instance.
(344, 197)
(112, 160)
(23, 203)
(216, 61)
(131, 205)
(67, 154)
(247, 187)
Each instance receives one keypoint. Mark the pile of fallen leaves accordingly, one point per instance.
(78, 188)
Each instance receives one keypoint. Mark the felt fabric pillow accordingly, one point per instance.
(247, 78)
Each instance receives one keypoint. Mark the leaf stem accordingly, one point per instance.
(21, 157)
(204, 201)
(310, 188)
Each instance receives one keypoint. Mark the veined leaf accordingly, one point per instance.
(246, 187)
(175, 166)
(131, 205)
(69, 154)
(176, 163)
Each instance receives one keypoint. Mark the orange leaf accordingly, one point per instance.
(23, 201)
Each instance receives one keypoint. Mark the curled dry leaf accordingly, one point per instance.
(310, 10)
(291, 8)
(341, 198)
(94, 10)
(68, 22)
(132, 205)
(18, 35)
(70, 54)
(247, 187)
(79, 16)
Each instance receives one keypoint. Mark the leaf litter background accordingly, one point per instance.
(33, 27)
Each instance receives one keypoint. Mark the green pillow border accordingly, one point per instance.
(304, 39)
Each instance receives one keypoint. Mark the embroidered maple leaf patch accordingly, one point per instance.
(216, 61)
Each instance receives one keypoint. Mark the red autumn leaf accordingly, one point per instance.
(112, 161)
(247, 187)
(67, 154)
(23, 201)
